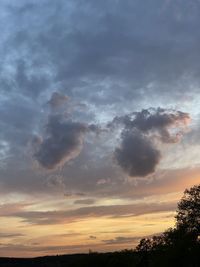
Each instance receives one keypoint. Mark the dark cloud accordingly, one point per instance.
(121, 240)
(63, 141)
(63, 137)
(10, 235)
(156, 120)
(137, 155)
(159, 118)
(85, 201)
(57, 100)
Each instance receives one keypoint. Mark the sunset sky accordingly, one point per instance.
(99, 121)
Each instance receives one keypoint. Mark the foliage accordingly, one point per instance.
(188, 213)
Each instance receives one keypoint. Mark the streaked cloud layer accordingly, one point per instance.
(99, 116)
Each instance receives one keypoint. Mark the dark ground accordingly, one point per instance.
(114, 259)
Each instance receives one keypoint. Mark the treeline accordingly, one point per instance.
(178, 246)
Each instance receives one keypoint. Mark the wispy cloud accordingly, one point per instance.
(64, 216)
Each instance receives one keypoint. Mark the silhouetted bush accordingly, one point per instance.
(178, 246)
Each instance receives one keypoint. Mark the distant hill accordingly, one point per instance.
(125, 258)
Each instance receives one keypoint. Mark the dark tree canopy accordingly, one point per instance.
(178, 246)
(188, 213)
(187, 228)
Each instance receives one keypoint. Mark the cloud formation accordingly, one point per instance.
(63, 141)
(66, 216)
(138, 154)
(156, 120)
(63, 137)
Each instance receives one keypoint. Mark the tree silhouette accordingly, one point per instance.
(188, 213)
(178, 246)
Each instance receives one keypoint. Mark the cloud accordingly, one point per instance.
(138, 154)
(12, 208)
(63, 141)
(10, 235)
(162, 120)
(85, 201)
(169, 125)
(63, 137)
(83, 58)
(167, 181)
(57, 100)
(67, 216)
(126, 239)
(121, 240)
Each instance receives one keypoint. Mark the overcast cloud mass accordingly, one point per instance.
(99, 114)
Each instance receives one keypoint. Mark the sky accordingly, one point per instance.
(99, 119)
